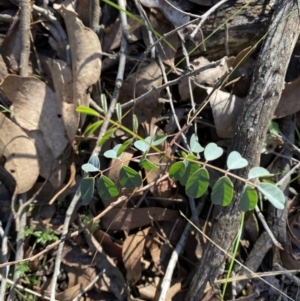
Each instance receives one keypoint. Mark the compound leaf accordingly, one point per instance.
(273, 194)
(87, 111)
(87, 189)
(212, 151)
(92, 128)
(236, 161)
(222, 192)
(197, 183)
(177, 170)
(148, 165)
(129, 178)
(195, 145)
(107, 188)
(257, 172)
(249, 198)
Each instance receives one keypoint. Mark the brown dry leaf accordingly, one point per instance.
(35, 107)
(133, 249)
(113, 34)
(225, 108)
(111, 248)
(20, 154)
(47, 162)
(70, 293)
(175, 16)
(63, 85)
(86, 56)
(127, 218)
(289, 101)
(163, 26)
(208, 77)
(3, 69)
(10, 48)
(147, 78)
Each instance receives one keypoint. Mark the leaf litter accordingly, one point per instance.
(128, 251)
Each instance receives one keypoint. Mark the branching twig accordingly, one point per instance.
(4, 252)
(25, 37)
(123, 17)
(166, 282)
(20, 245)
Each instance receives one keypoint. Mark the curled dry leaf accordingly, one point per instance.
(289, 101)
(132, 252)
(208, 77)
(86, 56)
(10, 48)
(63, 85)
(163, 26)
(20, 154)
(225, 108)
(113, 34)
(35, 107)
(48, 164)
(148, 77)
(174, 15)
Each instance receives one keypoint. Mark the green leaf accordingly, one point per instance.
(113, 153)
(274, 128)
(93, 165)
(106, 136)
(87, 189)
(148, 165)
(94, 160)
(257, 172)
(273, 194)
(235, 161)
(124, 146)
(190, 168)
(104, 103)
(135, 123)
(119, 111)
(87, 111)
(195, 145)
(222, 192)
(249, 198)
(177, 170)
(92, 128)
(197, 183)
(143, 146)
(107, 188)
(159, 139)
(212, 152)
(129, 178)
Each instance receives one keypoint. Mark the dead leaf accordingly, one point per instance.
(149, 108)
(113, 33)
(133, 249)
(86, 56)
(10, 48)
(111, 248)
(127, 218)
(35, 107)
(206, 78)
(63, 85)
(167, 52)
(175, 16)
(225, 108)
(20, 154)
(48, 164)
(289, 100)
